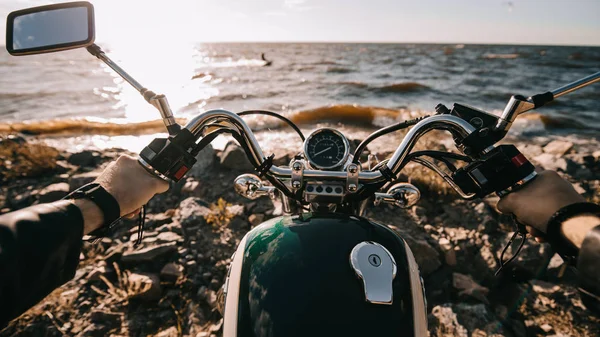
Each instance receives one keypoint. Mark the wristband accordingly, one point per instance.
(563, 247)
(104, 200)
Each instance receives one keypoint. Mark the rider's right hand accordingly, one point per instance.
(534, 204)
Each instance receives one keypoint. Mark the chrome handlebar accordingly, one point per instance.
(226, 119)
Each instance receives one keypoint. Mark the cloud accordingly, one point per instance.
(276, 13)
(298, 5)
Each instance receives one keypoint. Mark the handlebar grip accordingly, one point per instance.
(502, 170)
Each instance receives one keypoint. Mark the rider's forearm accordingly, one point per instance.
(39, 251)
(589, 269)
(575, 229)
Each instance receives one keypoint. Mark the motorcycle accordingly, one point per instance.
(321, 269)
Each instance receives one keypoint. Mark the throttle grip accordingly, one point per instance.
(502, 170)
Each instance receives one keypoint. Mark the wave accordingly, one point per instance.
(363, 116)
(500, 56)
(339, 70)
(65, 127)
(401, 87)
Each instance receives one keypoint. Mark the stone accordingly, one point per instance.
(558, 147)
(106, 317)
(53, 192)
(190, 186)
(466, 286)
(203, 334)
(95, 330)
(149, 254)
(144, 286)
(169, 332)
(256, 219)
(217, 326)
(81, 179)
(95, 274)
(83, 158)
(156, 220)
(204, 162)
(426, 256)
(531, 150)
(443, 322)
(169, 237)
(550, 162)
(236, 210)
(546, 327)
(233, 157)
(193, 211)
(171, 272)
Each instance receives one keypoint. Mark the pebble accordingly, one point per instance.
(171, 272)
(145, 286)
(256, 219)
(558, 147)
(149, 254)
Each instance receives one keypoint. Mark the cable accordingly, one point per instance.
(388, 129)
(276, 115)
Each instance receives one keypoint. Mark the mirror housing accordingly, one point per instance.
(50, 28)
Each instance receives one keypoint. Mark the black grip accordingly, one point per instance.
(542, 99)
(501, 169)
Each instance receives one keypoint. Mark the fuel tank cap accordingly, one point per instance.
(376, 268)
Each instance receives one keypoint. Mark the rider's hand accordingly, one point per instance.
(535, 203)
(129, 183)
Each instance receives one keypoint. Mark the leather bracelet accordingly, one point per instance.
(563, 247)
(104, 200)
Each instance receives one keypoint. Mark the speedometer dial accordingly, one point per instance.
(326, 149)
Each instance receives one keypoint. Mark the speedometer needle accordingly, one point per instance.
(318, 153)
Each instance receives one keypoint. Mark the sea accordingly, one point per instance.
(73, 98)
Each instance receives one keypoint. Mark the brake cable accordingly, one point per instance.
(276, 115)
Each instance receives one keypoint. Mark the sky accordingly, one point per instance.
(162, 22)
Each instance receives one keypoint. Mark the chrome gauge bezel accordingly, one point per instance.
(340, 163)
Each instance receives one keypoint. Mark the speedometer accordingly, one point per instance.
(326, 149)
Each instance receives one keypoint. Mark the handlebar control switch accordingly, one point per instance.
(170, 157)
(403, 195)
(501, 169)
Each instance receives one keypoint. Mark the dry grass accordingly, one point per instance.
(220, 216)
(23, 160)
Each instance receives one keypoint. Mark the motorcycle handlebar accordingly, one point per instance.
(226, 119)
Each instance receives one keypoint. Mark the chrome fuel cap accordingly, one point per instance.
(376, 268)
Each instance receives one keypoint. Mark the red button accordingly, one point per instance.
(519, 160)
(182, 170)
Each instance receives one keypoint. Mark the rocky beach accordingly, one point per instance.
(170, 284)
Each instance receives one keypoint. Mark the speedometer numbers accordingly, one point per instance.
(326, 149)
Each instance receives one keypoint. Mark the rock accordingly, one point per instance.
(82, 159)
(144, 287)
(550, 162)
(21, 200)
(169, 237)
(531, 150)
(149, 254)
(558, 147)
(171, 272)
(256, 219)
(449, 252)
(236, 210)
(233, 157)
(81, 179)
(203, 334)
(474, 316)
(215, 284)
(155, 220)
(190, 186)
(94, 330)
(444, 323)
(546, 327)
(193, 211)
(426, 256)
(466, 286)
(169, 332)
(53, 192)
(106, 317)
(217, 326)
(204, 161)
(419, 211)
(95, 274)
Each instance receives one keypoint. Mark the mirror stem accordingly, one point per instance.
(158, 101)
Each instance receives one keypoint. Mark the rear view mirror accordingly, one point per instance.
(50, 28)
